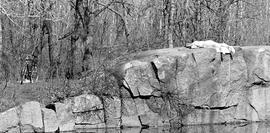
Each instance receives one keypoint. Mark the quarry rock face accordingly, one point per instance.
(50, 120)
(9, 119)
(200, 86)
(88, 110)
(257, 62)
(113, 112)
(26, 117)
(85, 103)
(166, 87)
(65, 117)
(30, 114)
(140, 78)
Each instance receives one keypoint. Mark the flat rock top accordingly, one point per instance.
(180, 51)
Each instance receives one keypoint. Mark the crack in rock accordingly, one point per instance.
(155, 69)
(262, 82)
(215, 108)
(95, 109)
(254, 109)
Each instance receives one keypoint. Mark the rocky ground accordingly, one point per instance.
(166, 87)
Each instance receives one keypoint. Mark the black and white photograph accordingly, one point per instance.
(134, 66)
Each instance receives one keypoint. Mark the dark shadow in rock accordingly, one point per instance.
(51, 106)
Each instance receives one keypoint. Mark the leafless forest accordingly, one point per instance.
(82, 39)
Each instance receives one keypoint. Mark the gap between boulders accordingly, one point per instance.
(215, 108)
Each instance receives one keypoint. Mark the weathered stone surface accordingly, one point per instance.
(258, 63)
(148, 117)
(259, 100)
(129, 107)
(140, 78)
(131, 121)
(112, 111)
(50, 120)
(90, 118)
(30, 114)
(66, 118)
(28, 129)
(88, 111)
(199, 86)
(130, 116)
(86, 102)
(9, 119)
(14, 130)
(137, 113)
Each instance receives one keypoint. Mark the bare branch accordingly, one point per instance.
(96, 13)
(107, 7)
(67, 35)
(3, 11)
(122, 18)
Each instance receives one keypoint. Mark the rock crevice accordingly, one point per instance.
(214, 108)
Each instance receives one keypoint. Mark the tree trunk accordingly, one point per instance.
(166, 20)
(236, 34)
(171, 23)
(1, 30)
(51, 70)
(70, 57)
(38, 48)
(119, 25)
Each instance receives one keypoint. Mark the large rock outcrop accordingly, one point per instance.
(166, 87)
(200, 86)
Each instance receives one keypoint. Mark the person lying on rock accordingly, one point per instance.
(221, 48)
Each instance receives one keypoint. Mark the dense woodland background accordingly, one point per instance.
(82, 39)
